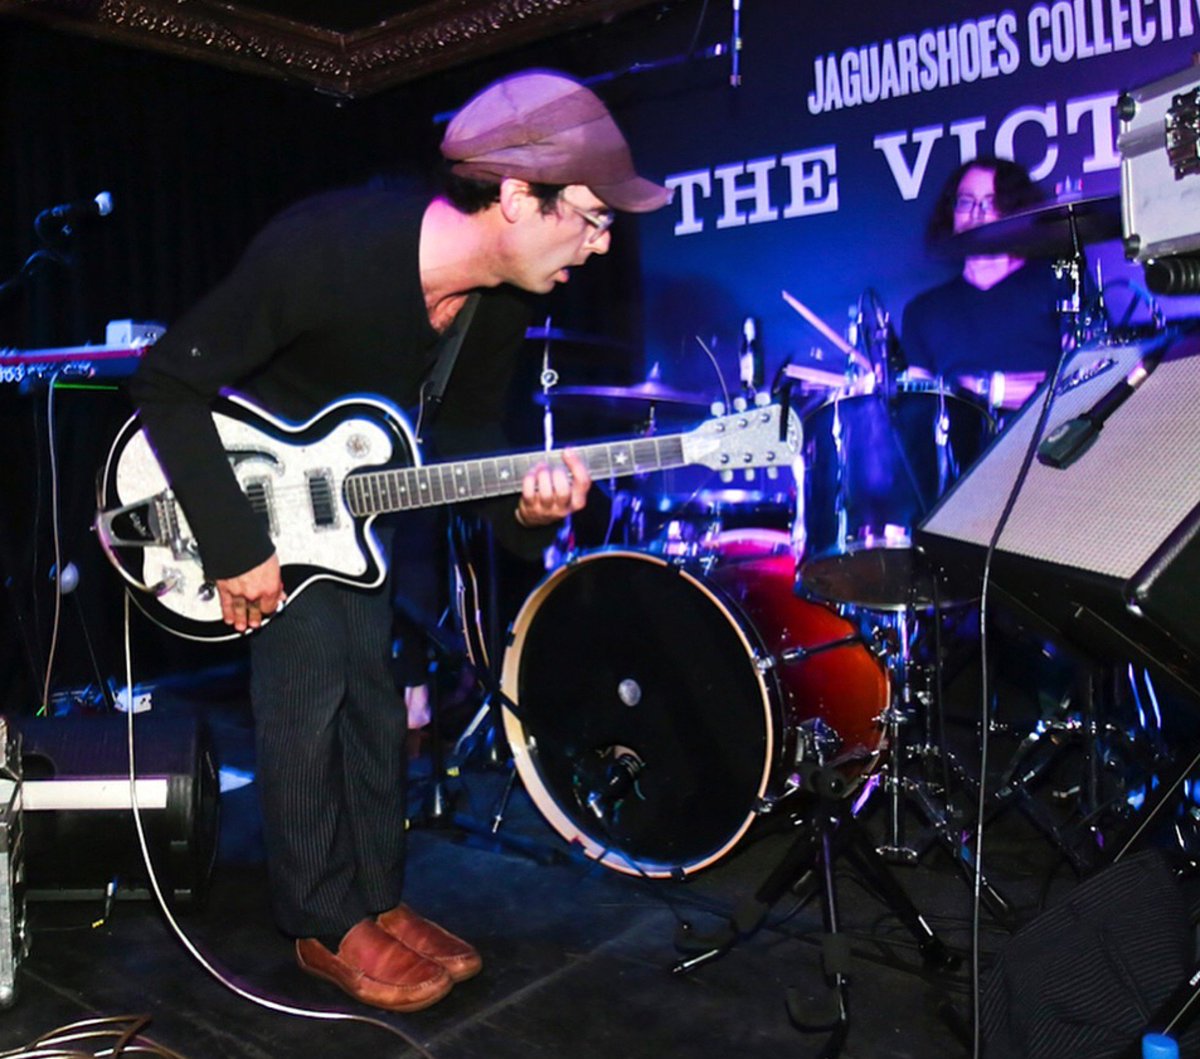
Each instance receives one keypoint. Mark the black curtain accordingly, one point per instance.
(196, 159)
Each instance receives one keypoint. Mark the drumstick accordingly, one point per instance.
(828, 332)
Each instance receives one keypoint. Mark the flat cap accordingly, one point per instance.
(547, 128)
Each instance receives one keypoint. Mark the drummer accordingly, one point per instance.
(997, 319)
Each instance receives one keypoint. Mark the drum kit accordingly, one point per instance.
(683, 682)
(675, 683)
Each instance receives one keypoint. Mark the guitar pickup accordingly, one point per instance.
(321, 499)
(258, 492)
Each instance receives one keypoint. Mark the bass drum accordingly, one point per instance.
(656, 720)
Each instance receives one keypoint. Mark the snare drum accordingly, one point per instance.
(693, 526)
(625, 660)
(874, 467)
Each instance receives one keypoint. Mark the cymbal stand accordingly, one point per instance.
(1073, 268)
(826, 828)
(930, 798)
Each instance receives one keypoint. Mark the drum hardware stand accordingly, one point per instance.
(1017, 783)
(947, 827)
(489, 712)
(439, 804)
(1090, 733)
(828, 829)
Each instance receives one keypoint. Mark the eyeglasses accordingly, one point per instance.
(968, 204)
(599, 221)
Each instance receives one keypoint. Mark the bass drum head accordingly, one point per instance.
(622, 657)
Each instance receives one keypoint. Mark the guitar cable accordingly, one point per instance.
(56, 622)
(177, 930)
(1043, 415)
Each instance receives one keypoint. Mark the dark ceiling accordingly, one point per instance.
(350, 48)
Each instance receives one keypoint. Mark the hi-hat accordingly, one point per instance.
(651, 392)
(1044, 231)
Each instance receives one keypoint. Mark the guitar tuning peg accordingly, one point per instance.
(717, 408)
(773, 472)
(727, 476)
(761, 399)
(739, 404)
(749, 473)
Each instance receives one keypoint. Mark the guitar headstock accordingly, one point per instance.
(756, 437)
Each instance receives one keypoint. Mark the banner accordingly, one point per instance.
(817, 173)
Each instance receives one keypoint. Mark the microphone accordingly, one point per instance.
(606, 789)
(1067, 442)
(749, 362)
(71, 213)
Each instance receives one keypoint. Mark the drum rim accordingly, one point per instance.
(932, 387)
(525, 761)
(826, 559)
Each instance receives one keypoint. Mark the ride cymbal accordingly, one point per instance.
(643, 393)
(1044, 231)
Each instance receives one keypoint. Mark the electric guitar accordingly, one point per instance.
(319, 485)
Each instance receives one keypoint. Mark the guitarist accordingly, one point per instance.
(355, 292)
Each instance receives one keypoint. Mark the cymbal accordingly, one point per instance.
(1044, 231)
(649, 392)
(571, 338)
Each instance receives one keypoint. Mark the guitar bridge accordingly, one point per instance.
(149, 523)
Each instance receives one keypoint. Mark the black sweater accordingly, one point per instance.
(957, 329)
(325, 302)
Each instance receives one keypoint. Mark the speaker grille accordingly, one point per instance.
(1110, 510)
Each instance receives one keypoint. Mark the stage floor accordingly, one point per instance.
(577, 957)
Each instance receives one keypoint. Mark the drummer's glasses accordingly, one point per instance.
(968, 204)
(598, 221)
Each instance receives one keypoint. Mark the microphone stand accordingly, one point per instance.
(30, 266)
(494, 702)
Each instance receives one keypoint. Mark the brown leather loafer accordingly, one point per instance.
(374, 968)
(459, 959)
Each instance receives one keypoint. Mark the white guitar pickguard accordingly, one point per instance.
(282, 471)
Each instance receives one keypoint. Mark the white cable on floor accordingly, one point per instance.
(254, 998)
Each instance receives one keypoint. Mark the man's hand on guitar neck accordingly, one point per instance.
(550, 493)
(250, 597)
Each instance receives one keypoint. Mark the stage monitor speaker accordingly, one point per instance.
(79, 831)
(1106, 551)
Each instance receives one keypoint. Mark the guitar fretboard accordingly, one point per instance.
(405, 488)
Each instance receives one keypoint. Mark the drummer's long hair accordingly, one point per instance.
(1014, 192)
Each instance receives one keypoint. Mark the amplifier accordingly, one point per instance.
(1105, 552)
(77, 804)
(14, 939)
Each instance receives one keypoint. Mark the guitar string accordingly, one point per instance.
(408, 479)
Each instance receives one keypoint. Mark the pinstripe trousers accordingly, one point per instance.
(330, 726)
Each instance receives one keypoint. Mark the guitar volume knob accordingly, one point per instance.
(171, 582)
